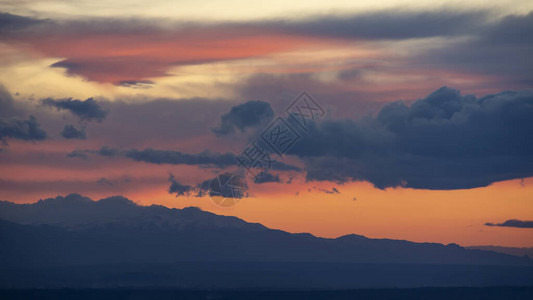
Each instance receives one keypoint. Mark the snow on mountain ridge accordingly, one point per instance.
(75, 211)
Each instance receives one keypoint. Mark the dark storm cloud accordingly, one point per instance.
(157, 156)
(78, 154)
(202, 188)
(266, 177)
(104, 151)
(86, 110)
(513, 223)
(28, 130)
(225, 184)
(206, 158)
(510, 30)
(71, 132)
(12, 23)
(384, 24)
(178, 188)
(12, 123)
(66, 64)
(504, 47)
(7, 104)
(444, 141)
(229, 185)
(107, 151)
(243, 116)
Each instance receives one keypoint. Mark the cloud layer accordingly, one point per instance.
(115, 50)
(513, 223)
(28, 130)
(86, 110)
(13, 125)
(244, 116)
(158, 156)
(443, 141)
(71, 132)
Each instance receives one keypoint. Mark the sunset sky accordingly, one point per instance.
(426, 131)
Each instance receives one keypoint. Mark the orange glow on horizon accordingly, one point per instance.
(441, 216)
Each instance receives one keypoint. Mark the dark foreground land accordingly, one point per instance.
(265, 276)
(139, 294)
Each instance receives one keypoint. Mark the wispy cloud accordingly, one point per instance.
(158, 156)
(513, 223)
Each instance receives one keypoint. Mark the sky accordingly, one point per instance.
(416, 125)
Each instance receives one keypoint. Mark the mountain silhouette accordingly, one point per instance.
(75, 232)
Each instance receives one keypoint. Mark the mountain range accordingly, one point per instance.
(75, 241)
(517, 251)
